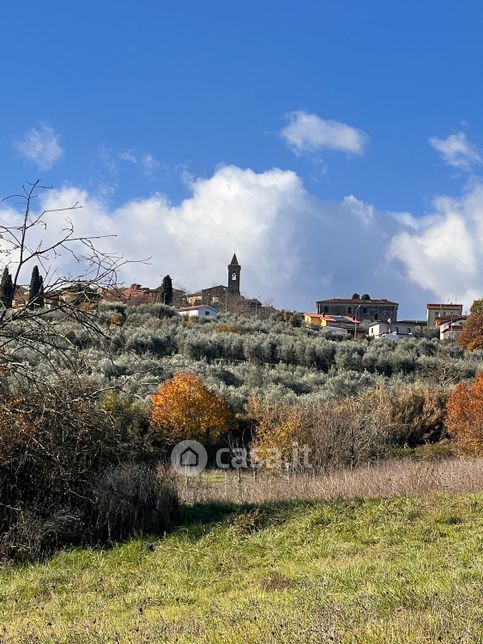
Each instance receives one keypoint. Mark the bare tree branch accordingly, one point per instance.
(33, 323)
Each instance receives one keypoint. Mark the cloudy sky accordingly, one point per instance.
(335, 146)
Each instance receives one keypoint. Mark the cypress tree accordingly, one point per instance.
(6, 289)
(166, 293)
(35, 288)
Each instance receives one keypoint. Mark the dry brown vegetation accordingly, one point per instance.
(383, 480)
(465, 416)
(72, 473)
(349, 432)
(353, 430)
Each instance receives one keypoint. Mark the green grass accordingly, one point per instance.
(398, 570)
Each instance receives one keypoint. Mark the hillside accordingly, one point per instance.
(404, 569)
(239, 357)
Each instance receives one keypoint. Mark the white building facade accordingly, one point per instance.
(394, 330)
(436, 311)
(199, 311)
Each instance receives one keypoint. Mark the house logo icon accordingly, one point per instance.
(189, 458)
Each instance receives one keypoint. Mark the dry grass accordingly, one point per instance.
(388, 479)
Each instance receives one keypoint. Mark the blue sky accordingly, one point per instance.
(151, 100)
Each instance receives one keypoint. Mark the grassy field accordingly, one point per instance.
(394, 570)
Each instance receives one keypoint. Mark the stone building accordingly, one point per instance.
(362, 308)
(224, 297)
(229, 298)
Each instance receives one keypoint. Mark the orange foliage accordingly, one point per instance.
(184, 408)
(279, 427)
(226, 328)
(465, 416)
(471, 336)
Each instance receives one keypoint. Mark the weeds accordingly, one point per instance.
(386, 479)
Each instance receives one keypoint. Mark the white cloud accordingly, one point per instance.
(144, 162)
(456, 150)
(149, 164)
(128, 156)
(365, 212)
(310, 133)
(41, 146)
(293, 247)
(443, 252)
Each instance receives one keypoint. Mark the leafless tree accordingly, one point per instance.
(29, 242)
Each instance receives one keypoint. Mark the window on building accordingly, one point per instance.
(364, 311)
(326, 309)
(349, 309)
(376, 316)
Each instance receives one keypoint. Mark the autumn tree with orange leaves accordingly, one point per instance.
(184, 408)
(465, 416)
(471, 336)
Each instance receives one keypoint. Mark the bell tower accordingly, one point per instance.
(234, 269)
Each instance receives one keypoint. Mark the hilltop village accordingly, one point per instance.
(207, 302)
(358, 314)
(378, 318)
